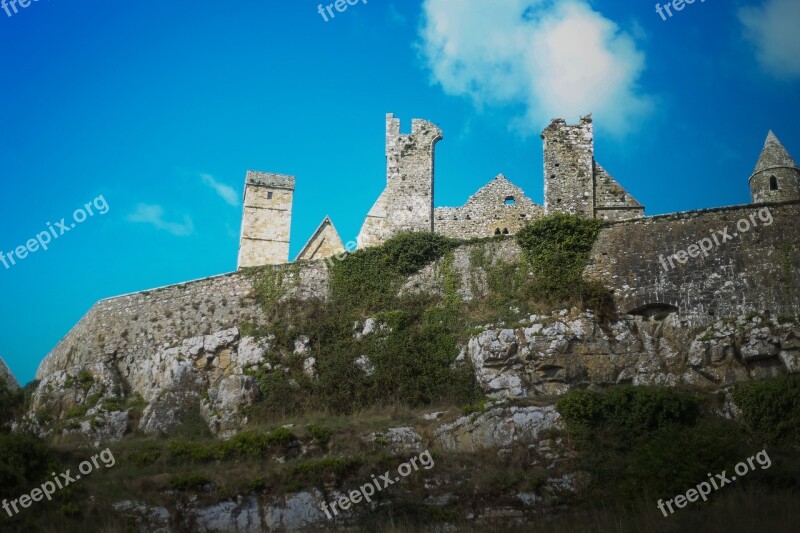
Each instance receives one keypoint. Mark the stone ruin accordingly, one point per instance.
(574, 183)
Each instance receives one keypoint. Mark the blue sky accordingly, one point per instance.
(161, 107)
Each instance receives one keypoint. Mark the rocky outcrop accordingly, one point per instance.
(542, 355)
(7, 376)
(249, 513)
(397, 441)
(550, 355)
(208, 373)
(496, 428)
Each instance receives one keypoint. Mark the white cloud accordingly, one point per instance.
(154, 215)
(226, 192)
(772, 28)
(557, 58)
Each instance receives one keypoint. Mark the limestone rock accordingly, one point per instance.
(550, 355)
(7, 376)
(497, 427)
(223, 410)
(398, 441)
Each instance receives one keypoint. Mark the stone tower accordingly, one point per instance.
(776, 177)
(574, 182)
(568, 167)
(406, 203)
(266, 220)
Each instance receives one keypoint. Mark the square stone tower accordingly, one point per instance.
(575, 183)
(569, 167)
(266, 219)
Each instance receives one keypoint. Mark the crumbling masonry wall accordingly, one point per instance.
(406, 203)
(575, 183)
(497, 208)
(569, 168)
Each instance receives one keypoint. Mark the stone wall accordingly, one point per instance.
(266, 219)
(406, 204)
(757, 270)
(498, 208)
(142, 324)
(575, 183)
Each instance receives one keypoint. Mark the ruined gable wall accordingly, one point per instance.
(486, 212)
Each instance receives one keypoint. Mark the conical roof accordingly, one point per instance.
(774, 155)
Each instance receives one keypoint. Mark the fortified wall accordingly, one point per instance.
(756, 271)
(750, 271)
(140, 324)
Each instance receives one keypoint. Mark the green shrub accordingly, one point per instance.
(321, 435)
(628, 411)
(145, 456)
(77, 411)
(255, 444)
(771, 408)
(324, 470)
(676, 457)
(368, 279)
(185, 450)
(647, 442)
(557, 248)
(24, 460)
(112, 404)
(412, 360)
(85, 379)
(188, 481)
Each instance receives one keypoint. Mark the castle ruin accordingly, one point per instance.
(574, 183)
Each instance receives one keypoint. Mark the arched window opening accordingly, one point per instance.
(497, 231)
(773, 183)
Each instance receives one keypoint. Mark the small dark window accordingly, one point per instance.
(269, 196)
(505, 231)
(497, 231)
(509, 200)
(773, 183)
